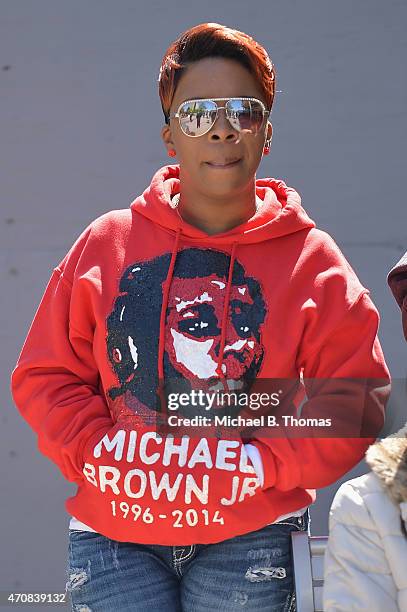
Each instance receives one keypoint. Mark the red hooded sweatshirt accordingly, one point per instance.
(143, 297)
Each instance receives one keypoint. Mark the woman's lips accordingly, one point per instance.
(224, 165)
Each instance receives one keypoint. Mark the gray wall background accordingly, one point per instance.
(79, 123)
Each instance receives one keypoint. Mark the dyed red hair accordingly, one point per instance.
(214, 40)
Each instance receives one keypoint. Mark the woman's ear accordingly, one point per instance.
(167, 137)
(269, 136)
(269, 130)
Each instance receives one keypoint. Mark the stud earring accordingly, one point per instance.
(172, 152)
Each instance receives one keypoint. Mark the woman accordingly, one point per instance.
(366, 557)
(211, 281)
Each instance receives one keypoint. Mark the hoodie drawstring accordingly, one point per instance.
(223, 327)
(166, 293)
(161, 341)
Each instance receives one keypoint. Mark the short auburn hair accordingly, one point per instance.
(214, 40)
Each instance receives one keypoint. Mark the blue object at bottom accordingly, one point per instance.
(252, 572)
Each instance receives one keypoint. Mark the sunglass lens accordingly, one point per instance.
(245, 114)
(197, 117)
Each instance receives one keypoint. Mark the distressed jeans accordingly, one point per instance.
(251, 572)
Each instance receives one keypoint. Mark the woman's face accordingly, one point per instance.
(214, 77)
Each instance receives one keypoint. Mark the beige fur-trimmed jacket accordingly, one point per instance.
(366, 556)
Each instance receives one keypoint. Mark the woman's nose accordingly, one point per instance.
(222, 128)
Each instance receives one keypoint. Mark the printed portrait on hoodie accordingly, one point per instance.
(193, 326)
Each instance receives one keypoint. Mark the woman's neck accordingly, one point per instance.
(215, 215)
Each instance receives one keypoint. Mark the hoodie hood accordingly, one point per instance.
(388, 460)
(280, 214)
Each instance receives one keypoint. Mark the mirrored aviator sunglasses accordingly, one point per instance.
(196, 117)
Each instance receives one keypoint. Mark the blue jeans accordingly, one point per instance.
(252, 572)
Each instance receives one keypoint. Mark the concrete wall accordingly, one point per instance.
(79, 124)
